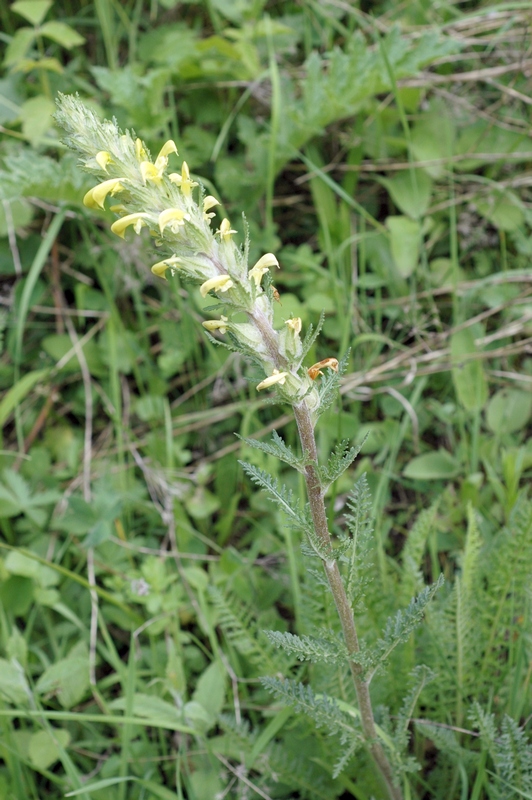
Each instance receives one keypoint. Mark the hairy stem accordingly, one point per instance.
(343, 606)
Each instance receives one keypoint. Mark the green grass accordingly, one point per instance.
(397, 201)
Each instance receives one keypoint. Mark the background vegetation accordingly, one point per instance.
(383, 152)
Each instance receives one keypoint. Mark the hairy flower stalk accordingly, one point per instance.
(179, 220)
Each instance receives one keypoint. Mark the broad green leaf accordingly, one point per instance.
(18, 46)
(149, 706)
(68, 678)
(410, 191)
(33, 11)
(62, 34)
(43, 748)
(468, 373)
(505, 211)
(405, 237)
(20, 212)
(210, 688)
(18, 392)
(509, 411)
(36, 117)
(432, 138)
(13, 685)
(438, 465)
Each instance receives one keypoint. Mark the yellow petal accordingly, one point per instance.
(120, 225)
(209, 202)
(221, 283)
(102, 159)
(275, 377)
(167, 148)
(172, 215)
(160, 267)
(295, 324)
(95, 198)
(216, 324)
(150, 172)
(225, 229)
(140, 150)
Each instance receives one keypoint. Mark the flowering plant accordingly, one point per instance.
(178, 216)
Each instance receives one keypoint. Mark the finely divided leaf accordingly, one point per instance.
(310, 648)
(278, 449)
(280, 495)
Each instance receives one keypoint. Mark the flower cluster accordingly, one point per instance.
(180, 221)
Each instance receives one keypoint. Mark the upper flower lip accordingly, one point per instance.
(95, 197)
(220, 283)
(120, 225)
(271, 380)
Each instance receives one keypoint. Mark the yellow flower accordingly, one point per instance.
(208, 203)
(154, 172)
(137, 220)
(262, 266)
(140, 150)
(221, 283)
(216, 324)
(275, 377)
(174, 218)
(295, 324)
(183, 180)
(225, 230)
(95, 198)
(102, 159)
(160, 267)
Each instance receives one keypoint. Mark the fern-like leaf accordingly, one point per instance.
(278, 449)
(239, 626)
(310, 648)
(400, 626)
(330, 384)
(311, 335)
(360, 525)
(421, 675)
(280, 495)
(321, 708)
(339, 461)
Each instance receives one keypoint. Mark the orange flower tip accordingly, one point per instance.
(275, 377)
(326, 363)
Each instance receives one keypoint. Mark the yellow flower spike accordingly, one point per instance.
(275, 377)
(160, 267)
(225, 230)
(137, 220)
(221, 283)
(102, 159)
(183, 180)
(216, 324)
(95, 198)
(294, 323)
(174, 217)
(262, 266)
